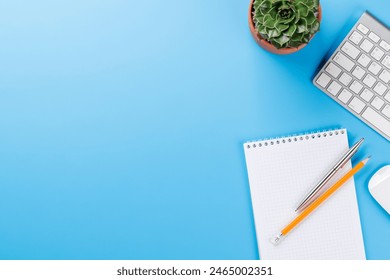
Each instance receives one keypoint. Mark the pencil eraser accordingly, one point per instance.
(276, 238)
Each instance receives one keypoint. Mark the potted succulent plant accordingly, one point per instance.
(284, 26)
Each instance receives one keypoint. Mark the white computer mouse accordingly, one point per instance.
(379, 187)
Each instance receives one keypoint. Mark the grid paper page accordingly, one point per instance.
(281, 172)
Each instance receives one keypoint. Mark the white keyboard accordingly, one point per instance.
(357, 75)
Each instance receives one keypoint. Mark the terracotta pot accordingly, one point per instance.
(267, 45)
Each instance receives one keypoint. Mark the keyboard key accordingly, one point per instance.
(386, 111)
(345, 79)
(377, 103)
(377, 53)
(333, 70)
(362, 28)
(334, 88)
(323, 80)
(374, 68)
(380, 88)
(367, 95)
(366, 46)
(374, 37)
(369, 80)
(358, 72)
(344, 61)
(385, 76)
(356, 87)
(364, 60)
(357, 105)
(386, 61)
(387, 97)
(356, 38)
(385, 45)
(344, 96)
(377, 120)
(350, 50)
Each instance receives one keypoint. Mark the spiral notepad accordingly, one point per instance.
(281, 171)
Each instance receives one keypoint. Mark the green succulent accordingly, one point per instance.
(286, 23)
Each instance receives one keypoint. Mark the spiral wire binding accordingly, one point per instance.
(294, 138)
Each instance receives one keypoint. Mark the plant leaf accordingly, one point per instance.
(269, 22)
(315, 27)
(297, 17)
(272, 33)
(297, 37)
(266, 4)
(311, 18)
(276, 43)
(259, 18)
(302, 26)
(303, 9)
(306, 38)
(294, 44)
(281, 27)
(291, 30)
(273, 12)
(316, 4)
(282, 40)
(262, 29)
(287, 20)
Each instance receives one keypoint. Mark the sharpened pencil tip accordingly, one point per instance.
(366, 159)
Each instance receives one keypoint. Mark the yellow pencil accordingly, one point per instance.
(278, 237)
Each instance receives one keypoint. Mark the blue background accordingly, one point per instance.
(122, 123)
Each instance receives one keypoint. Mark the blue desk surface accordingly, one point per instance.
(122, 125)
